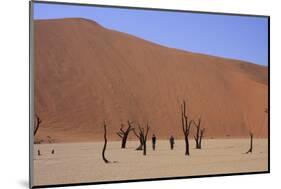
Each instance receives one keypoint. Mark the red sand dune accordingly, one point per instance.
(85, 74)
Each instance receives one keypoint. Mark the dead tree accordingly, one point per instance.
(105, 143)
(138, 136)
(123, 134)
(199, 134)
(185, 127)
(251, 144)
(143, 135)
(37, 124)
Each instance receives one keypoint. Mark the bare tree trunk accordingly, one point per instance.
(105, 143)
(196, 137)
(37, 124)
(124, 140)
(199, 134)
(141, 143)
(143, 137)
(251, 144)
(185, 127)
(124, 134)
(144, 148)
(186, 146)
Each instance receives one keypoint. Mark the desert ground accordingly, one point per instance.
(82, 162)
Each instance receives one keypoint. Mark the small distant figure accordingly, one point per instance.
(38, 152)
(153, 141)
(53, 151)
(172, 142)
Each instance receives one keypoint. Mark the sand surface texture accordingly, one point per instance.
(82, 162)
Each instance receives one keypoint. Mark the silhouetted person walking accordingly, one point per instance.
(172, 142)
(153, 141)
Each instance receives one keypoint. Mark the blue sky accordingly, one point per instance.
(238, 37)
